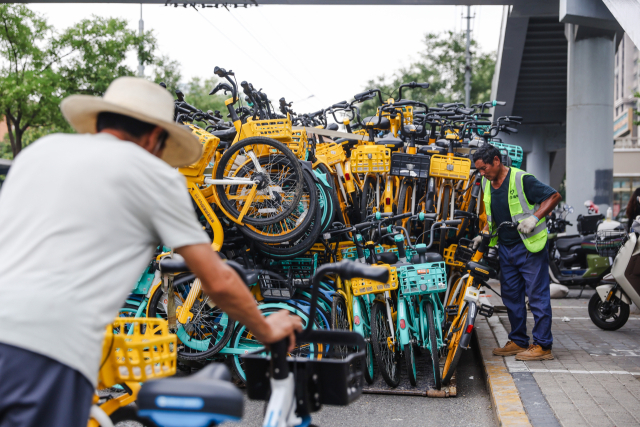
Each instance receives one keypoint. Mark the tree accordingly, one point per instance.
(167, 71)
(442, 65)
(39, 66)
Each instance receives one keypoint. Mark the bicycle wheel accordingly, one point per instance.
(276, 168)
(205, 335)
(370, 371)
(453, 350)
(433, 345)
(405, 201)
(294, 226)
(384, 349)
(245, 341)
(307, 230)
(368, 200)
(340, 320)
(410, 361)
(333, 192)
(444, 208)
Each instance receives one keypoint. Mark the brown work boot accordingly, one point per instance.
(535, 352)
(509, 349)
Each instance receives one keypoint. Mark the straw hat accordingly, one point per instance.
(142, 100)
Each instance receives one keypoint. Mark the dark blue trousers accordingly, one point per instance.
(36, 391)
(525, 273)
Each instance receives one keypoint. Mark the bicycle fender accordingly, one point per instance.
(403, 334)
(308, 166)
(471, 320)
(359, 328)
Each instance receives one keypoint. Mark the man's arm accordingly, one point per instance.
(229, 292)
(548, 205)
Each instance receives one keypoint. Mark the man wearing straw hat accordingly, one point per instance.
(80, 216)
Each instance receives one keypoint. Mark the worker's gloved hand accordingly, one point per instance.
(527, 226)
(476, 242)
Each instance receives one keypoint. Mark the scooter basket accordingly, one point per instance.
(410, 165)
(609, 242)
(299, 270)
(420, 279)
(329, 381)
(275, 288)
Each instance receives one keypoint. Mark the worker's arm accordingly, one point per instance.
(548, 205)
(229, 292)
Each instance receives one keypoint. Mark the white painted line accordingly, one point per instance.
(570, 318)
(569, 371)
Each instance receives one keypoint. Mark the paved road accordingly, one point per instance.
(472, 406)
(595, 377)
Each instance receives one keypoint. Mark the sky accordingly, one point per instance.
(314, 56)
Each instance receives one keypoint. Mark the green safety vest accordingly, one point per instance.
(520, 209)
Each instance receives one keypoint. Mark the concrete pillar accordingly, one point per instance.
(590, 80)
(538, 159)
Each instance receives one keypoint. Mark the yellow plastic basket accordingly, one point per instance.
(137, 349)
(449, 254)
(209, 145)
(331, 153)
(451, 168)
(299, 144)
(276, 129)
(366, 286)
(371, 159)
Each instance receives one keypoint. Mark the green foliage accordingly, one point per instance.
(196, 93)
(442, 64)
(167, 71)
(39, 66)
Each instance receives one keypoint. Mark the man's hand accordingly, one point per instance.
(527, 226)
(281, 325)
(476, 242)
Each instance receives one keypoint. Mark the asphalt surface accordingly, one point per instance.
(471, 407)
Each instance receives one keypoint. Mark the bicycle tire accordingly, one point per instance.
(285, 157)
(295, 223)
(446, 195)
(330, 179)
(386, 357)
(433, 342)
(242, 338)
(340, 320)
(454, 352)
(410, 363)
(223, 336)
(403, 198)
(368, 203)
(370, 369)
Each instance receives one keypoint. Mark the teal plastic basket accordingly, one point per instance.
(420, 279)
(515, 152)
(299, 269)
(351, 253)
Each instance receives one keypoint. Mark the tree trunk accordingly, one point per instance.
(15, 136)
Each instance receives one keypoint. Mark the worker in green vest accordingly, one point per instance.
(516, 196)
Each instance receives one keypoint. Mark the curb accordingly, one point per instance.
(507, 406)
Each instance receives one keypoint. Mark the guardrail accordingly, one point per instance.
(626, 143)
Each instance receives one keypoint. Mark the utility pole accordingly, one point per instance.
(141, 31)
(467, 70)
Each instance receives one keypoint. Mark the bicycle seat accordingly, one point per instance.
(393, 143)
(481, 271)
(225, 134)
(168, 265)
(207, 396)
(430, 149)
(376, 122)
(387, 257)
(429, 257)
(444, 143)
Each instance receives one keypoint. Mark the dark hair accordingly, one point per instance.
(133, 127)
(487, 153)
(633, 205)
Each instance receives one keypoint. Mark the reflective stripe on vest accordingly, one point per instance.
(534, 241)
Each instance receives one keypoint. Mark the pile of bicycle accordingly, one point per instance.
(284, 194)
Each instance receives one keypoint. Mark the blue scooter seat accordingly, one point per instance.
(196, 401)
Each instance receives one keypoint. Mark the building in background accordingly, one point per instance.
(626, 151)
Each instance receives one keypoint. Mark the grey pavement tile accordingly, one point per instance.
(600, 421)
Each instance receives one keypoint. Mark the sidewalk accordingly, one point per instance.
(594, 379)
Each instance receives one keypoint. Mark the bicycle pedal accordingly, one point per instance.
(451, 310)
(486, 310)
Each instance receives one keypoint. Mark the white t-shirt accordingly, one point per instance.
(80, 216)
